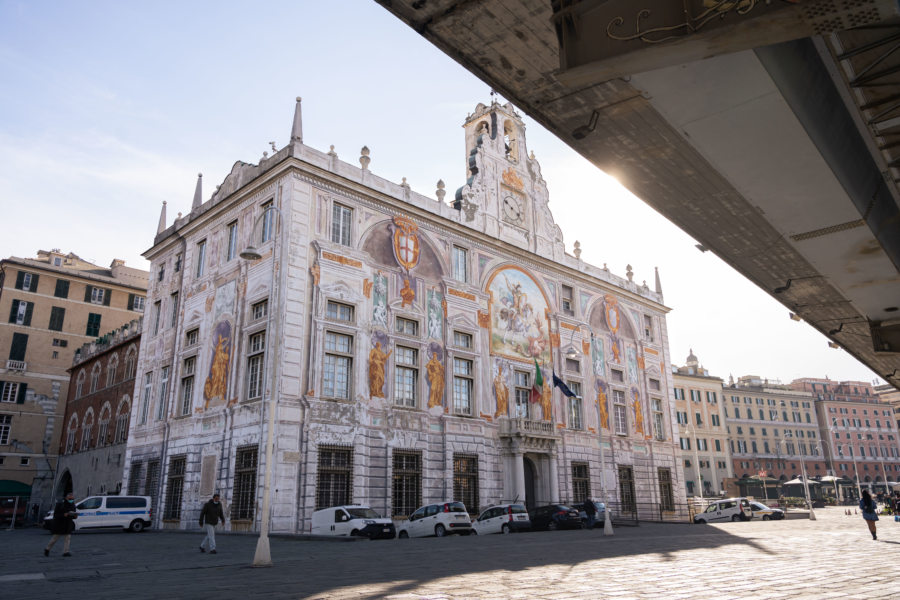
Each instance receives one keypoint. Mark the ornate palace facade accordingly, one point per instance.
(407, 345)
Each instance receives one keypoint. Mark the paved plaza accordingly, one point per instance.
(832, 557)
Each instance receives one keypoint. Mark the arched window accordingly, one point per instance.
(70, 434)
(86, 429)
(95, 377)
(130, 356)
(111, 368)
(122, 415)
(103, 426)
(79, 384)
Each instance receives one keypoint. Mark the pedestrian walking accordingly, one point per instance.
(64, 515)
(591, 512)
(209, 518)
(869, 511)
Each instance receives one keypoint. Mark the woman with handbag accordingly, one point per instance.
(869, 511)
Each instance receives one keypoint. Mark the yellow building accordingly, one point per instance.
(56, 302)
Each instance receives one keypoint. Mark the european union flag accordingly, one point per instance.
(562, 386)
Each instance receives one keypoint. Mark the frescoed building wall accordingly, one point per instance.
(408, 345)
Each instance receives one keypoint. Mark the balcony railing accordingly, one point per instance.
(521, 426)
(15, 365)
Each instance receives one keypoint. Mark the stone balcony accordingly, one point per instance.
(16, 365)
(521, 427)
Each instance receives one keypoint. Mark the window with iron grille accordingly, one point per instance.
(666, 497)
(134, 478)
(626, 489)
(465, 481)
(244, 483)
(406, 486)
(334, 477)
(175, 487)
(151, 481)
(581, 482)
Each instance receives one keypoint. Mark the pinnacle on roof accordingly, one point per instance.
(198, 193)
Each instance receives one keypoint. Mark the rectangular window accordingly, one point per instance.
(682, 417)
(339, 312)
(711, 397)
(162, 272)
(62, 288)
(406, 326)
(666, 496)
(462, 340)
(654, 385)
(200, 255)
(659, 430)
(460, 264)
(406, 377)
(260, 309)
(465, 481)
(685, 443)
(255, 367)
(463, 386)
(231, 249)
(136, 303)
(173, 310)
(341, 218)
(581, 482)
(57, 316)
(334, 477)
(187, 385)
(192, 337)
(20, 312)
(719, 445)
(27, 282)
(406, 483)
(679, 393)
(245, 483)
(648, 328)
(576, 419)
(619, 412)
(175, 488)
(523, 393)
(157, 308)
(93, 325)
(98, 295)
(177, 262)
(268, 222)
(695, 395)
(573, 365)
(619, 376)
(566, 297)
(5, 427)
(337, 366)
(10, 391)
(145, 398)
(163, 394)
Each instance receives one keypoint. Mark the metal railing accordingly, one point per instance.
(16, 365)
(521, 426)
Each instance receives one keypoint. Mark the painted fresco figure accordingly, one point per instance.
(547, 401)
(217, 380)
(436, 380)
(377, 360)
(638, 413)
(602, 406)
(502, 394)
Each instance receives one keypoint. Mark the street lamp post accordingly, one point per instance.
(263, 555)
(572, 353)
(812, 514)
(697, 460)
(852, 456)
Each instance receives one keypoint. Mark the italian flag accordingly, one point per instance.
(537, 387)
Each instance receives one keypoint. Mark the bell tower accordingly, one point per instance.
(504, 192)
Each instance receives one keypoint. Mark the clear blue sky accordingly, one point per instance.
(109, 108)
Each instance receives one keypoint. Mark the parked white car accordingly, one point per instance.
(729, 509)
(133, 513)
(503, 518)
(766, 513)
(354, 520)
(437, 519)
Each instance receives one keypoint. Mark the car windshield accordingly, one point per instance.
(758, 506)
(563, 507)
(517, 509)
(363, 513)
(455, 507)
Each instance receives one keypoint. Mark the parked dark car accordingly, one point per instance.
(555, 516)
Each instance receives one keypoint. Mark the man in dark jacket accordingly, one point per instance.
(591, 512)
(209, 518)
(64, 515)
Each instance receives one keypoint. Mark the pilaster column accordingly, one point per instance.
(520, 476)
(554, 478)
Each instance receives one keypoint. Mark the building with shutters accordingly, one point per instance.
(55, 303)
(407, 346)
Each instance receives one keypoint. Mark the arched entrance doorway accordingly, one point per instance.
(529, 483)
(64, 486)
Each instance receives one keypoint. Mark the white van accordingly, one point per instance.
(133, 513)
(352, 520)
(729, 509)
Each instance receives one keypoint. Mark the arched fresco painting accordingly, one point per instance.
(519, 326)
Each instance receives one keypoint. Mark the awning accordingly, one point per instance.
(8, 487)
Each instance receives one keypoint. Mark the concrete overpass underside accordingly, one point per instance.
(768, 131)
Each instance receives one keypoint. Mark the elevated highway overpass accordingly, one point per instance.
(768, 131)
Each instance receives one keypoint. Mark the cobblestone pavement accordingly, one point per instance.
(832, 557)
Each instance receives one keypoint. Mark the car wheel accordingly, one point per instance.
(136, 526)
(354, 533)
(552, 526)
(766, 518)
(474, 532)
(505, 529)
(735, 518)
(440, 530)
(403, 535)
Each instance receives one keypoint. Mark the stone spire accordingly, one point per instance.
(658, 284)
(297, 129)
(162, 219)
(198, 193)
